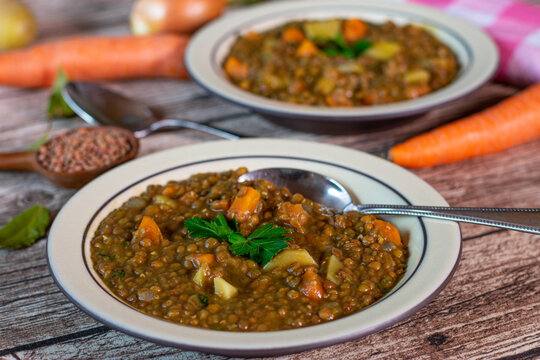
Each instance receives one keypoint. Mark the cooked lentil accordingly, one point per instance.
(321, 63)
(352, 259)
(83, 149)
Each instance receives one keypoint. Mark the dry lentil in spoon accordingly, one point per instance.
(84, 149)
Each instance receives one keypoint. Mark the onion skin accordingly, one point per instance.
(178, 16)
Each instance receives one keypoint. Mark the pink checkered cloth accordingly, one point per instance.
(515, 27)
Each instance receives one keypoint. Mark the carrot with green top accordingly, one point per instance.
(95, 58)
(513, 121)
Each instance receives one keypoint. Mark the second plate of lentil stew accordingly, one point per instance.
(341, 63)
(405, 47)
(432, 251)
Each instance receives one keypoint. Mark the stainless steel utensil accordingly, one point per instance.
(329, 192)
(100, 106)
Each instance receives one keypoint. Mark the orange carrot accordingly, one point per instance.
(199, 259)
(354, 29)
(292, 35)
(513, 121)
(235, 68)
(311, 285)
(294, 214)
(244, 204)
(148, 229)
(95, 58)
(307, 48)
(387, 231)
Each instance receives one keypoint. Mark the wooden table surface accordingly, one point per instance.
(489, 310)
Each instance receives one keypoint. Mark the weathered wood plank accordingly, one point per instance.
(491, 308)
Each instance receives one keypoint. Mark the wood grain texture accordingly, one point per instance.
(489, 310)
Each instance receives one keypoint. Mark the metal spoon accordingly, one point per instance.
(329, 192)
(100, 106)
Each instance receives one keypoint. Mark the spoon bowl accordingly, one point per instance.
(329, 192)
(28, 161)
(100, 106)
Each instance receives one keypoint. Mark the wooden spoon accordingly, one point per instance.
(27, 160)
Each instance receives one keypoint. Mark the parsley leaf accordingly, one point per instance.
(203, 299)
(339, 46)
(201, 228)
(261, 246)
(118, 273)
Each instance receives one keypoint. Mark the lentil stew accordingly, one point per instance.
(334, 264)
(341, 63)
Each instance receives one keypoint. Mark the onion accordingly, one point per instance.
(179, 16)
(18, 26)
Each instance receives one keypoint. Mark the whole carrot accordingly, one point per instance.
(95, 58)
(513, 121)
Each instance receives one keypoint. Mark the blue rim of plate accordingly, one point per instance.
(230, 92)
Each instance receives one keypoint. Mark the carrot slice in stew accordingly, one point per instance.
(312, 285)
(307, 48)
(354, 29)
(294, 214)
(244, 204)
(292, 35)
(199, 259)
(387, 231)
(236, 69)
(513, 121)
(150, 230)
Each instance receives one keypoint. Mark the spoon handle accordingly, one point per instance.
(178, 123)
(23, 160)
(520, 219)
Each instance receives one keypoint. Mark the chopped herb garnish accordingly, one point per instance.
(339, 46)
(106, 256)
(361, 46)
(261, 246)
(124, 243)
(203, 299)
(118, 273)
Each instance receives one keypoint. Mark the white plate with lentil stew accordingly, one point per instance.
(339, 63)
(78, 255)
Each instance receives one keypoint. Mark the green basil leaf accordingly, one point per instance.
(24, 229)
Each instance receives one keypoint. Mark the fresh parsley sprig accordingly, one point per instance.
(261, 245)
(339, 46)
